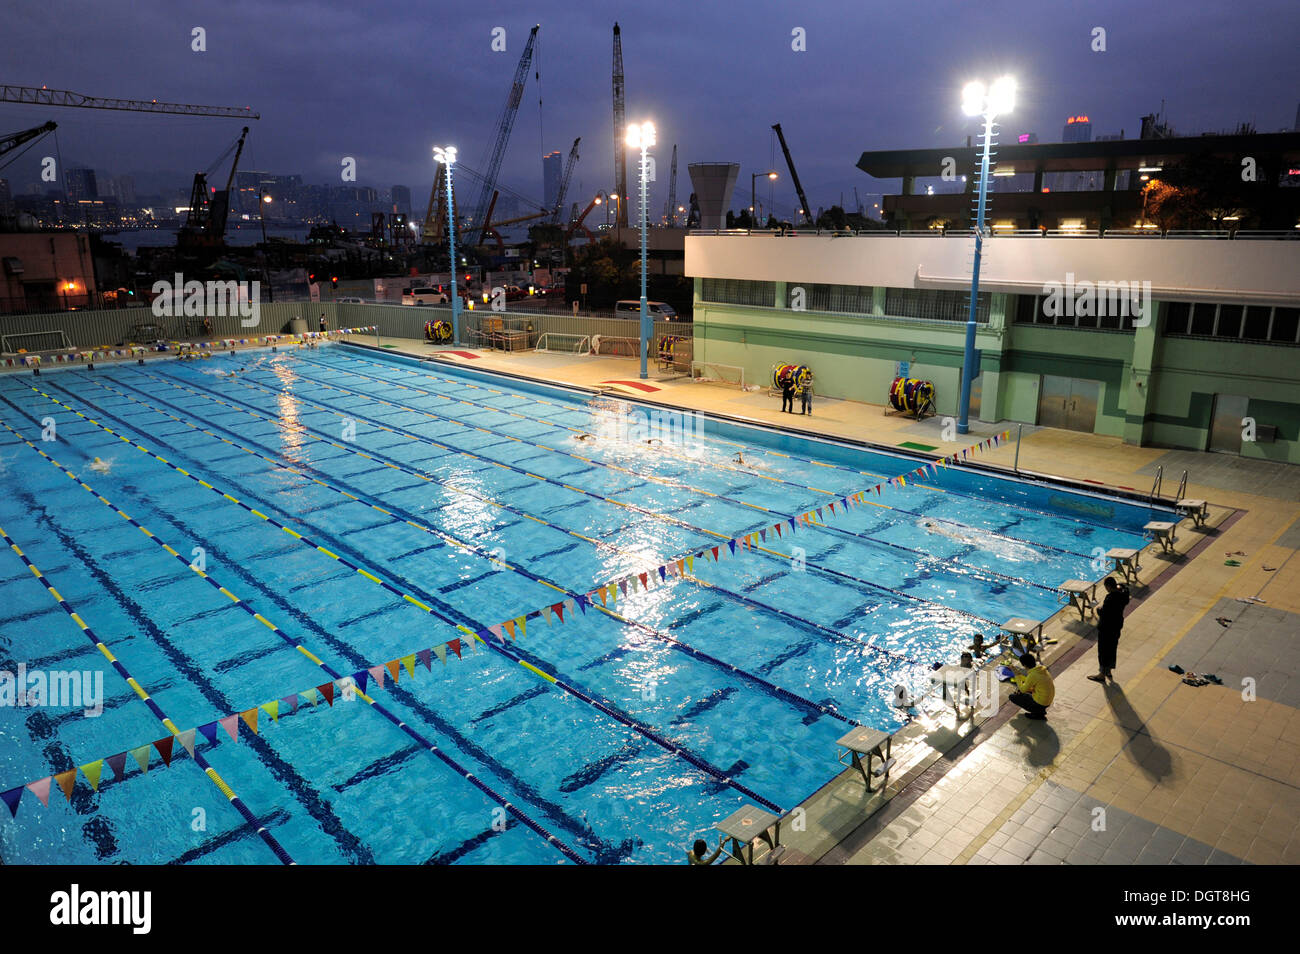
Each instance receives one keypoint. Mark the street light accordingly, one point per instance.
(771, 174)
(447, 156)
(261, 214)
(643, 135)
(978, 101)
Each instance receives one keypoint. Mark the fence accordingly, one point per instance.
(86, 329)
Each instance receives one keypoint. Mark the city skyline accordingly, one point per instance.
(318, 105)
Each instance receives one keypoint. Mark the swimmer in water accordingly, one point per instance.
(584, 437)
(100, 466)
(652, 441)
(740, 458)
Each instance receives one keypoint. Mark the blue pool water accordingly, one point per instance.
(703, 696)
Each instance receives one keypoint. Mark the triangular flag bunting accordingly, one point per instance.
(573, 603)
(546, 614)
(426, 656)
(409, 663)
(92, 772)
(362, 678)
(690, 564)
(715, 554)
(11, 798)
(291, 702)
(250, 717)
(442, 654)
(66, 780)
(230, 724)
(272, 709)
(510, 627)
(644, 585)
(454, 646)
(118, 764)
(394, 667)
(731, 545)
(209, 732)
(622, 585)
(663, 573)
(522, 623)
(312, 696)
(41, 789)
(326, 690)
(186, 740)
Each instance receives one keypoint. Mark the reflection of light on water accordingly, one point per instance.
(464, 515)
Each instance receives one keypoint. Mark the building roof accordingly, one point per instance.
(1080, 156)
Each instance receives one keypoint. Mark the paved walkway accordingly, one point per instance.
(1150, 770)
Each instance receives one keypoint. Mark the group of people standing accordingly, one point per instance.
(788, 393)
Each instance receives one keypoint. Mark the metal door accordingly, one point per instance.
(1081, 411)
(1053, 398)
(1225, 423)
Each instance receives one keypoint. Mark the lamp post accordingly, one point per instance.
(266, 268)
(753, 206)
(643, 135)
(978, 101)
(447, 156)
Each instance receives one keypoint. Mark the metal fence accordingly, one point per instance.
(92, 328)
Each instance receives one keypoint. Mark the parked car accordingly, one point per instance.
(351, 301)
(424, 296)
(659, 311)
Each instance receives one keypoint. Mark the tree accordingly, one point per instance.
(832, 218)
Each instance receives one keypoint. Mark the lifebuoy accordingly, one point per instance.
(911, 395)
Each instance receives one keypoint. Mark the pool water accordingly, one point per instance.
(466, 499)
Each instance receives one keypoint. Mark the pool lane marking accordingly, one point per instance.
(930, 558)
(625, 718)
(469, 776)
(663, 518)
(731, 594)
(213, 776)
(795, 457)
(673, 483)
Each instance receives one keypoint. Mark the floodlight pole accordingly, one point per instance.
(970, 361)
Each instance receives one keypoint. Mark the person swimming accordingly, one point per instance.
(101, 466)
(585, 437)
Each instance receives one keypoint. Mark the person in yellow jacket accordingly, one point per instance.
(1036, 688)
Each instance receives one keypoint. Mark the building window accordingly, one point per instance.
(841, 299)
(1032, 310)
(734, 291)
(1258, 323)
(935, 305)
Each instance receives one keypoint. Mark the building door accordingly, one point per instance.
(1069, 403)
(1225, 423)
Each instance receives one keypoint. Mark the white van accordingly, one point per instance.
(658, 310)
(423, 296)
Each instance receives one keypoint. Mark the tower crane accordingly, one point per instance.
(794, 176)
(672, 191)
(63, 97)
(14, 140)
(505, 123)
(620, 147)
(564, 183)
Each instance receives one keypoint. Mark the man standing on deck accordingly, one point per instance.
(1110, 622)
(787, 396)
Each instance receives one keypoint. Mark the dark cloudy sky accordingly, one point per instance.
(384, 80)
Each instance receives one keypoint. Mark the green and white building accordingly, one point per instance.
(1222, 342)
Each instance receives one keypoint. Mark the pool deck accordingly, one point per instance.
(1147, 771)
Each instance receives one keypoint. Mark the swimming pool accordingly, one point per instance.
(258, 526)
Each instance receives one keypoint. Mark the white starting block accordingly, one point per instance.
(1031, 629)
(957, 681)
(1161, 532)
(1126, 562)
(1080, 594)
(1198, 510)
(873, 744)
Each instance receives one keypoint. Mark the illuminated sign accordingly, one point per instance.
(1023, 137)
(1076, 119)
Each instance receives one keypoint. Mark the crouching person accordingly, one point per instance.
(1036, 688)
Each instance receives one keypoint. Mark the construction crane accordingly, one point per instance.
(435, 219)
(63, 97)
(620, 147)
(577, 225)
(564, 183)
(505, 123)
(14, 140)
(672, 191)
(206, 223)
(794, 176)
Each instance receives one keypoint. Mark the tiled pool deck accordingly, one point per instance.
(1148, 771)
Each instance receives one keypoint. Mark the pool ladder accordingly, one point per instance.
(1158, 483)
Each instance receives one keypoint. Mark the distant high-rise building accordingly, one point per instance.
(552, 172)
(401, 200)
(1077, 129)
(80, 183)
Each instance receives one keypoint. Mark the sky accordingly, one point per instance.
(383, 81)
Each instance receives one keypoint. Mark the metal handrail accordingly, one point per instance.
(1156, 484)
(1182, 488)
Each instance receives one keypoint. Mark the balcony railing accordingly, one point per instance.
(1213, 234)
